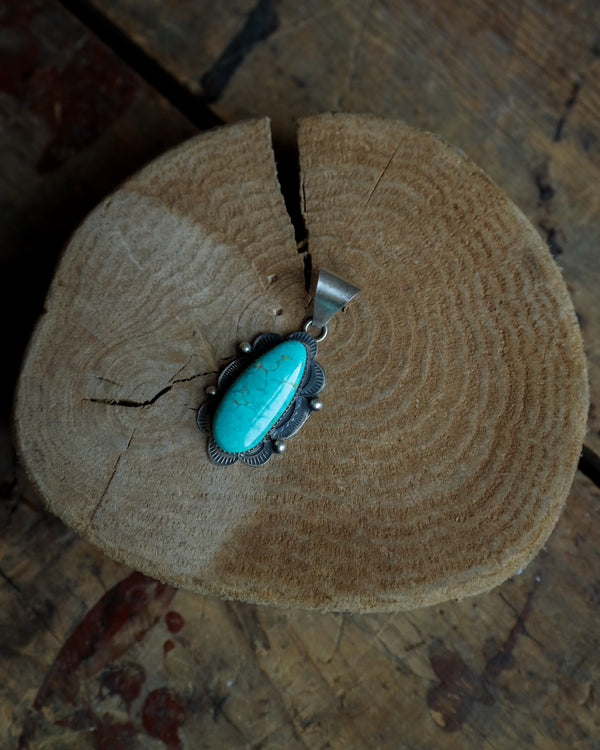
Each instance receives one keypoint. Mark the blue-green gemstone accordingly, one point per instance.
(258, 397)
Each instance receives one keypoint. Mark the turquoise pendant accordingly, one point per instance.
(262, 398)
(265, 395)
(258, 397)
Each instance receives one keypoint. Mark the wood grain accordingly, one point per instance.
(457, 390)
(516, 86)
(93, 653)
(515, 667)
(63, 147)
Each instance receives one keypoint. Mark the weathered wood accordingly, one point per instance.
(93, 653)
(457, 394)
(516, 85)
(297, 678)
(75, 121)
(291, 684)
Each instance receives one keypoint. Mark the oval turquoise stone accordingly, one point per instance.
(258, 397)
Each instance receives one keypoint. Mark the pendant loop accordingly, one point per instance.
(321, 336)
(265, 395)
(332, 295)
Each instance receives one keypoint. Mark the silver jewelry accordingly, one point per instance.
(265, 395)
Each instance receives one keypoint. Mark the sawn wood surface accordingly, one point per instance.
(95, 655)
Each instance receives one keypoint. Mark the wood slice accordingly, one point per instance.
(518, 90)
(456, 400)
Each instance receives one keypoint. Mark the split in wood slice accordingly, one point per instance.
(456, 400)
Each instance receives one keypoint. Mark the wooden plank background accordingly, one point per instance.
(94, 655)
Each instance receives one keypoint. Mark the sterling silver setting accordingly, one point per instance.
(301, 407)
(332, 295)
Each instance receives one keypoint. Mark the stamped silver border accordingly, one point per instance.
(301, 407)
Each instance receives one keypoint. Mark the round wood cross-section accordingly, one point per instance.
(456, 398)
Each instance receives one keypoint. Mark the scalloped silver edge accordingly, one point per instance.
(217, 456)
(203, 418)
(259, 455)
(300, 413)
(316, 380)
(309, 342)
(293, 418)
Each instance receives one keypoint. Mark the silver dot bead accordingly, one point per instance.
(316, 404)
(246, 347)
(278, 446)
(211, 390)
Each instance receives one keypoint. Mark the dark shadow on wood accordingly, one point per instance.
(589, 464)
(261, 22)
(287, 160)
(191, 106)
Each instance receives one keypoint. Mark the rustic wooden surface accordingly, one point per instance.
(62, 149)
(516, 85)
(107, 658)
(458, 391)
(517, 88)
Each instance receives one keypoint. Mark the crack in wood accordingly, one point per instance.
(357, 223)
(291, 185)
(569, 104)
(193, 107)
(260, 23)
(589, 465)
(127, 402)
(173, 378)
(139, 404)
(307, 266)
(107, 380)
(110, 479)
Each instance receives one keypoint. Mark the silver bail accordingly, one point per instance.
(331, 296)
